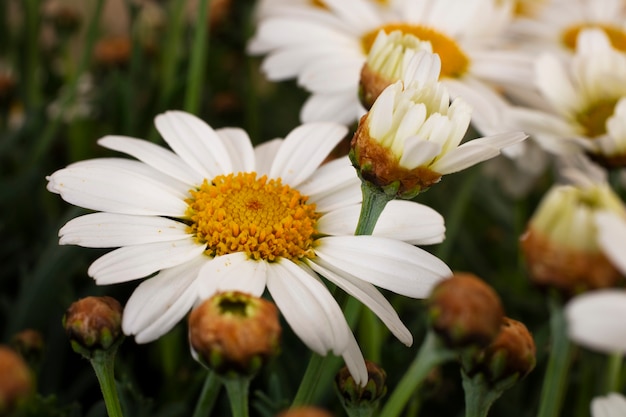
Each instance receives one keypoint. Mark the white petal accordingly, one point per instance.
(195, 141)
(118, 186)
(612, 238)
(612, 405)
(160, 302)
(340, 107)
(304, 149)
(308, 307)
(156, 156)
(596, 320)
(264, 155)
(133, 262)
(355, 362)
(386, 263)
(232, 272)
(107, 230)
(369, 296)
(419, 152)
(239, 147)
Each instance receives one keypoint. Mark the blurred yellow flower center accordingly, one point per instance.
(322, 3)
(594, 118)
(616, 35)
(454, 62)
(261, 217)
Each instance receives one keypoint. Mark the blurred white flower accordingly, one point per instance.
(611, 405)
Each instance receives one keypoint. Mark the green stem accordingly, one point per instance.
(431, 354)
(103, 365)
(480, 394)
(613, 372)
(208, 395)
(198, 59)
(555, 381)
(374, 202)
(310, 380)
(237, 388)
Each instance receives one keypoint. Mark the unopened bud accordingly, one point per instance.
(65, 18)
(233, 332)
(16, 381)
(512, 353)
(29, 344)
(353, 396)
(465, 311)
(307, 411)
(93, 323)
(113, 52)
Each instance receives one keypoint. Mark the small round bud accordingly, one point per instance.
(29, 344)
(233, 332)
(353, 395)
(464, 311)
(513, 352)
(65, 18)
(307, 411)
(16, 381)
(93, 323)
(113, 52)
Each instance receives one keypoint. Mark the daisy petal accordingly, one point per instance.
(308, 307)
(118, 186)
(232, 272)
(155, 156)
(264, 155)
(304, 149)
(341, 107)
(355, 362)
(239, 147)
(158, 303)
(612, 405)
(386, 263)
(612, 238)
(108, 230)
(595, 320)
(370, 297)
(132, 262)
(195, 141)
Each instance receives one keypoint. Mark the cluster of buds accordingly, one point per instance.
(234, 333)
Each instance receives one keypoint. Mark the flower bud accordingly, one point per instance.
(307, 411)
(29, 344)
(513, 352)
(464, 311)
(16, 381)
(561, 241)
(233, 332)
(354, 396)
(113, 52)
(93, 323)
(65, 18)
(387, 62)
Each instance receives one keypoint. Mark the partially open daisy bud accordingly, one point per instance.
(411, 136)
(356, 397)
(388, 62)
(16, 381)
(465, 311)
(512, 353)
(94, 323)
(234, 333)
(29, 344)
(306, 411)
(561, 241)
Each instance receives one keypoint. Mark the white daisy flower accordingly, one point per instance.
(587, 101)
(611, 405)
(325, 46)
(612, 237)
(412, 136)
(217, 214)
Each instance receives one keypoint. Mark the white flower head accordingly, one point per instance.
(217, 214)
(412, 136)
(611, 405)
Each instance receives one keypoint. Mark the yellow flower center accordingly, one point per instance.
(594, 118)
(454, 62)
(616, 35)
(261, 217)
(322, 3)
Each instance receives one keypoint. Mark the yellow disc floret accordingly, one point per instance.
(616, 35)
(262, 218)
(594, 118)
(454, 62)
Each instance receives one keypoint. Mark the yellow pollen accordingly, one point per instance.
(262, 218)
(594, 118)
(454, 62)
(616, 35)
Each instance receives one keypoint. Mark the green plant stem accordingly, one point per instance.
(431, 354)
(480, 395)
(208, 395)
(198, 59)
(555, 381)
(613, 372)
(103, 365)
(310, 380)
(172, 52)
(237, 388)
(374, 202)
